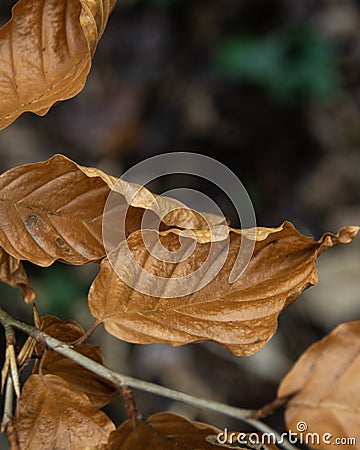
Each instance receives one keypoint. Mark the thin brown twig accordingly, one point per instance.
(270, 408)
(12, 436)
(87, 333)
(130, 405)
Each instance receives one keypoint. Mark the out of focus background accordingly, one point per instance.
(271, 88)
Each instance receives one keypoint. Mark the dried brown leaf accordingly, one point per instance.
(241, 316)
(46, 50)
(162, 431)
(52, 415)
(66, 331)
(78, 378)
(161, 212)
(327, 378)
(12, 272)
(52, 210)
(167, 431)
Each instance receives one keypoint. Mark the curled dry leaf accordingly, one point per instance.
(66, 331)
(241, 316)
(53, 210)
(43, 214)
(52, 415)
(78, 378)
(327, 378)
(46, 50)
(13, 273)
(162, 431)
(167, 431)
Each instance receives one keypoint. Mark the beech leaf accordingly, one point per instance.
(12, 272)
(46, 50)
(168, 431)
(241, 316)
(53, 210)
(52, 415)
(43, 216)
(162, 431)
(327, 380)
(78, 378)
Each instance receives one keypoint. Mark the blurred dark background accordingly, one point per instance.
(271, 88)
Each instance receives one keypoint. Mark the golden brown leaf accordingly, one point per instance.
(52, 415)
(161, 212)
(13, 273)
(66, 331)
(78, 378)
(241, 316)
(167, 431)
(46, 50)
(52, 210)
(162, 431)
(327, 378)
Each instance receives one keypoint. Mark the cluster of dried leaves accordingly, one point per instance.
(53, 210)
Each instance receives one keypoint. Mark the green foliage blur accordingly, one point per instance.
(61, 289)
(296, 64)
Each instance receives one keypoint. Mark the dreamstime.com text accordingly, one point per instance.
(301, 436)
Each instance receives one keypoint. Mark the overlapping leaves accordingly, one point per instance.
(62, 397)
(166, 431)
(53, 210)
(51, 414)
(78, 378)
(41, 227)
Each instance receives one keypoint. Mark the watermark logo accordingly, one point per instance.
(301, 426)
(300, 436)
(175, 207)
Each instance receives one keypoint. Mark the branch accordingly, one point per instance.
(121, 381)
